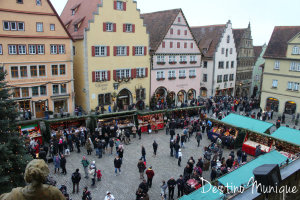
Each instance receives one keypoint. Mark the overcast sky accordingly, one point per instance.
(262, 14)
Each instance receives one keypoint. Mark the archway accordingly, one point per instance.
(170, 98)
(290, 107)
(272, 104)
(124, 99)
(203, 92)
(191, 94)
(181, 96)
(160, 93)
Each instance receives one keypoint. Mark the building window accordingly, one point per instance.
(231, 77)
(277, 65)
(74, 51)
(171, 74)
(33, 71)
(76, 27)
(226, 53)
(293, 86)
(181, 73)
(192, 45)
(52, 27)
(14, 72)
(160, 75)
(221, 65)
(38, 2)
(179, 19)
(42, 70)
(140, 94)
(23, 71)
(185, 32)
(6, 26)
(295, 50)
(108, 27)
(228, 38)
(230, 50)
(32, 49)
(171, 31)
(43, 90)
(128, 28)
(41, 49)
(13, 26)
(275, 83)
(73, 12)
(160, 59)
(12, 49)
(171, 44)
(54, 69)
(63, 88)
(120, 5)
(192, 58)
(232, 64)
(21, 26)
(178, 44)
(62, 69)
(39, 27)
(22, 49)
(1, 50)
(61, 49)
(121, 51)
(25, 92)
(225, 78)
(139, 51)
(55, 89)
(205, 64)
(53, 49)
(19, 1)
(140, 72)
(35, 91)
(192, 72)
(204, 77)
(182, 59)
(227, 64)
(100, 51)
(104, 99)
(101, 76)
(16, 93)
(123, 73)
(223, 50)
(172, 59)
(178, 32)
(219, 79)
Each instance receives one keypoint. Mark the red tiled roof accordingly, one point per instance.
(208, 37)
(237, 35)
(279, 41)
(257, 52)
(85, 11)
(158, 24)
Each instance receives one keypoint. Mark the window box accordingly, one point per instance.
(161, 63)
(182, 77)
(172, 78)
(103, 80)
(193, 62)
(160, 79)
(192, 76)
(182, 62)
(172, 63)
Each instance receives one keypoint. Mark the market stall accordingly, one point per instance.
(32, 131)
(156, 120)
(122, 121)
(220, 130)
(252, 140)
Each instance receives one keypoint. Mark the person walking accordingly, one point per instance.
(144, 153)
(85, 163)
(180, 186)
(179, 157)
(144, 186)
(76, 177)
(139, 132)
(163, 190)
(141, 166)
(111, 145)
(171, 186)
(92, 172)
(117, 164)
(198, 138)
(86, 195)
(56, 161)
(88, 146)
(63, 162)
(150, 174)
(155, 146)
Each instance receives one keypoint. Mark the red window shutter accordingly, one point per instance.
(114, 27)
(185, 45)
(145, 50)
(115, 75)
(93, 50)
(107, 51)
(127, 50)
(124, 6)
(108, 75)
(133, 28)
(132, 73)
(115, 5)
(185, 32)
(178, 32)
(178, 44)
(124, 27)
(104, 27)
(171, 44)
(163, 44)
(135, 72)
(115, 51)
(146, 72)
(93, 76)
(133, 51)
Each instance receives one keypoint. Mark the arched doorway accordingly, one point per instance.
(191, 94)
(160, 93)
(255, 89)
(203, 92)
(290, 107)
(272, 104)
(171, 99)
(181, 96)
(124, 99)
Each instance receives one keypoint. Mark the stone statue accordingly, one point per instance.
(35, 175)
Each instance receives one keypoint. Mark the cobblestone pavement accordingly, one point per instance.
(124, 186)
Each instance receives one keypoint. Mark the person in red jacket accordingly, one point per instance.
(150, 173)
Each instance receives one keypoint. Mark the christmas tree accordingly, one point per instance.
(13, 156)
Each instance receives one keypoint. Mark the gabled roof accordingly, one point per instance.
(208, 37)
(158, 25)
(237, 35)
(257, 52)
(84, 13)
(279, 41)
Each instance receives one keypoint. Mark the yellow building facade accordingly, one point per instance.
(36, 52)
(111, 59)
(281, 76)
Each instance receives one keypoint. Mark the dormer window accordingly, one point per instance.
(76, 27)
(38, 2)
(73, 11)
(120, 5)
(295, 50)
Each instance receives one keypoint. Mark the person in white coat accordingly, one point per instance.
(179, 157)
(109, 196)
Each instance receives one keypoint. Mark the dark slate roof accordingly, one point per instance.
(208, 37)
(237, 35)
(84, 13)
(257, 52)
(158, 24)
(279, 41)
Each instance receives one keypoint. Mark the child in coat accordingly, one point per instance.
(99, 175)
